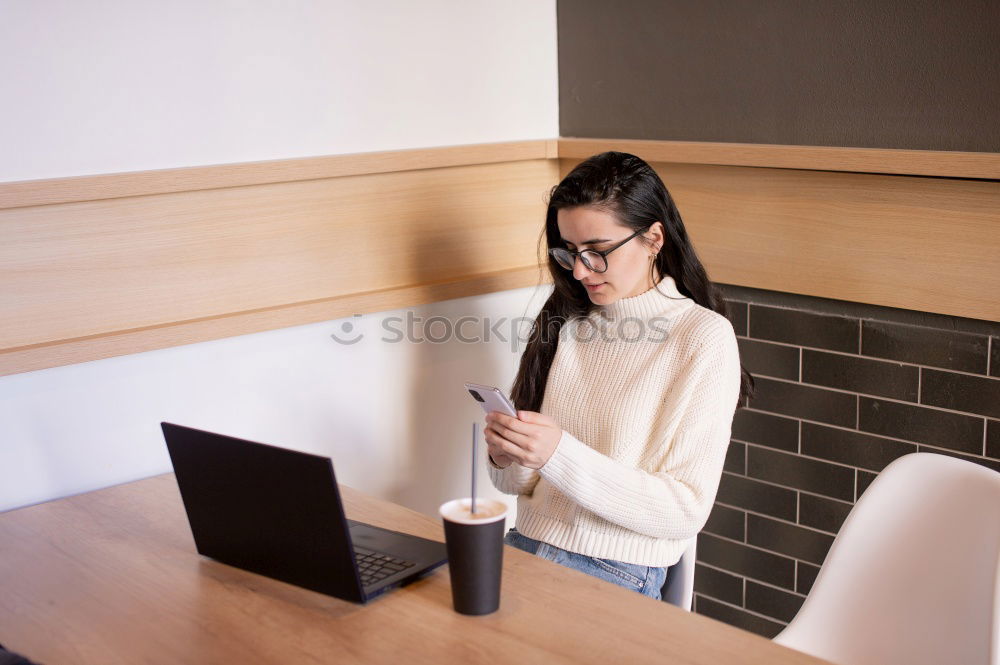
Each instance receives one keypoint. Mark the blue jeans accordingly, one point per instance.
(647, 580)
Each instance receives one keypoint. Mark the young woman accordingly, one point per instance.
(627, 387)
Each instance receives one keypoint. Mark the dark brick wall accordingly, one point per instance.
(842, 389)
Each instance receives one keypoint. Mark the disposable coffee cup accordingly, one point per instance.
(475, 553)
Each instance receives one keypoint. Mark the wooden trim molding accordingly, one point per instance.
(164, 181)
(106, 265)
(143, 183)
(980, 165)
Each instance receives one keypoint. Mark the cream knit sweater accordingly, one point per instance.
(645, 390)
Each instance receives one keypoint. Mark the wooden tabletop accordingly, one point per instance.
(113, 577)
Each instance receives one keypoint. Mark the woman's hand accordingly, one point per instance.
(501, 460)
(530, 439)
(494, 449)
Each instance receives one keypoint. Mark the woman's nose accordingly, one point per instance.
(579, 270)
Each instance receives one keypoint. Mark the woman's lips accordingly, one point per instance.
(594, 287)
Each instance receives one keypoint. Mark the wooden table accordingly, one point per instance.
(112, 576)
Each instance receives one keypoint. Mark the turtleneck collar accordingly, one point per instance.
(662, 300)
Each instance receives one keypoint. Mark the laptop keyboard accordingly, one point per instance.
(374, 566)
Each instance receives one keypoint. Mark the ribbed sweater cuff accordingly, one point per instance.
(514, 479)
(567, 460)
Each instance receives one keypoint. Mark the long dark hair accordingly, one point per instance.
(627, 187)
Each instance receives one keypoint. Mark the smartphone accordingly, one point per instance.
(491, 399)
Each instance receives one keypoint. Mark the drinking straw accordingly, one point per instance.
(475, 458)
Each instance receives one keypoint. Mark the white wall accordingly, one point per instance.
(102, 87)
(107, 86)
(392, 413)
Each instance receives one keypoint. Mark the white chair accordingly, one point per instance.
(679, 588)
(913, 577)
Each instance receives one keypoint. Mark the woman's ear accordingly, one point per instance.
(655, 235)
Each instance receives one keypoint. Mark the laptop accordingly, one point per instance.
(278, 512)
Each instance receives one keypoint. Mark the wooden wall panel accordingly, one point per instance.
(83, 273)
(927, 244)
(106, 265)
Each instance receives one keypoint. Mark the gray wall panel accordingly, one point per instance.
(861, 73)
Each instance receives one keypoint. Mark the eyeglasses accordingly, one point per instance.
(594, 260)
